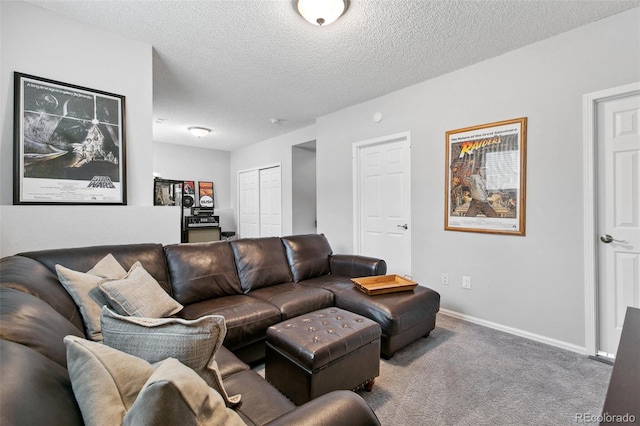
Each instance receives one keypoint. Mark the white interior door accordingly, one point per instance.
(618, 146)
(382, 184)
(270, 202)
(249, 204)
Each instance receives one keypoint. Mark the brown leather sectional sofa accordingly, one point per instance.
(253, 283)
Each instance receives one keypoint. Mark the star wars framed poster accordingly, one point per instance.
(485, 178)
(69, 144)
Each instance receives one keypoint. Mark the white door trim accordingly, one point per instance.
(590, 139)
(355, 150)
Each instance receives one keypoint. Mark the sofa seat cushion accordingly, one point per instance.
(333, 283)
(261, 262)
(261, 402)
(395, 312)
(247, 318)
(202, 271)
(294, 299)
(308, 255)
(228, 363)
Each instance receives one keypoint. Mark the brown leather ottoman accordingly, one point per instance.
(322, 351)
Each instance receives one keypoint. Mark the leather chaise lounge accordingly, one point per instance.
(253, 283)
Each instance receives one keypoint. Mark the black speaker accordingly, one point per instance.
(187, 201)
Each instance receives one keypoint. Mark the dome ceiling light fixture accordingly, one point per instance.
(321, 12)
(199, 132)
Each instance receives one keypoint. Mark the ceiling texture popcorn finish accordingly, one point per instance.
(233, 65)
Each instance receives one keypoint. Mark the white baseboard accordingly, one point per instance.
(538, 338)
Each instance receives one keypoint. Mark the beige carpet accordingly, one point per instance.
(467, 374)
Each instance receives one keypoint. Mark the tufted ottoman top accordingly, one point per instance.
(320, 337)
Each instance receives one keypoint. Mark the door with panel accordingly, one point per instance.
(383, 201)
(618, 212)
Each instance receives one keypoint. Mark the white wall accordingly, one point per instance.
(38, 42)
(199, 164)
(532, 285)
(268, 153)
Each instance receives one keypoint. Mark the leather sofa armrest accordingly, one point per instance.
(337, 407)
(357, 266)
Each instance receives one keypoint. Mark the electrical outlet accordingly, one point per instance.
(444, 279)
(466, 282)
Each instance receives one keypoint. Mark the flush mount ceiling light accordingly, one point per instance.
(199, 131)
(321, 12)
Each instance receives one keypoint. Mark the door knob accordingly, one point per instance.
(606, 238)
(405, 226)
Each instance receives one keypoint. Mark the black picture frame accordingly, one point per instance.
(167, 192)
(69, 144)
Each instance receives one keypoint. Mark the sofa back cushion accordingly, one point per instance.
(202, 271)
(308, 255)
(32, 277)
(82, 259)
(261, 262)
(30, 321)
(35, 390)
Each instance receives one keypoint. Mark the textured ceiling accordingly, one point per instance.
(234, 65)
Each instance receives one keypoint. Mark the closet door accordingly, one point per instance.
(270, 202)
(249, 204)
(260, 202)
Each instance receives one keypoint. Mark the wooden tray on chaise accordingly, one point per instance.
(382, 284)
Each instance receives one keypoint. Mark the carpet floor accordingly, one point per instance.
(467, 374)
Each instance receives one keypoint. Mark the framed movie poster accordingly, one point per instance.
(205, 192)
(69, 144)
(167, 192)
(189, 191)
(485, 178)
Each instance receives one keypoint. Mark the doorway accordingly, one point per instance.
(382, 201)
(612, 214)
(303, 191)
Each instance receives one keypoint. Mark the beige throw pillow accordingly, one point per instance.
(176, 395)
(192, 342)
(105, 381)
(114, 388)
(108, 267)
(138, 294)
(83, 289)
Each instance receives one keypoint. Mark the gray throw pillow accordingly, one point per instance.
(138, 294)
(83, 289)
(192, 342)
